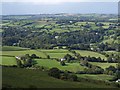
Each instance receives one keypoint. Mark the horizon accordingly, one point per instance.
(25, 8)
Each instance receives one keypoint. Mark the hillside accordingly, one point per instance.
(40, 79)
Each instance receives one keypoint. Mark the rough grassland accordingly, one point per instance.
(24, 78)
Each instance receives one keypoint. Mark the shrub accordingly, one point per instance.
(62, 63)
(72, 77)
(54, 72)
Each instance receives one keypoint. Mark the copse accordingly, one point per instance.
(54, 72)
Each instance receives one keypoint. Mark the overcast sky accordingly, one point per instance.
(15, 7)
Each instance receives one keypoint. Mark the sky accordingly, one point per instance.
(59, 1)
(18, 7)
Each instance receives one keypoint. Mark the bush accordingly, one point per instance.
(72, 77)
(54, 72)
(34, 56)
(62, 63)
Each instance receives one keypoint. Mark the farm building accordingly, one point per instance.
(62, 59)
(118, 80)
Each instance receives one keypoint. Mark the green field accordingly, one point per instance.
(90, 53)
(74, 67)
(13, 48)
(96, 77)
(5, 60)
(110, 52)
(19, 53)
(24, 78)
(56, 53)
(103, 65)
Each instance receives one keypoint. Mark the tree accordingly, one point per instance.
(68, 57)
(48, 57)
(34, 56)
(54, 72)
(72, 77)
(118, 71)
(62, 63)
(111, 68)
(19, 64)
(84, 63)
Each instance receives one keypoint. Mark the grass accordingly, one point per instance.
(110, 52)
(1, 30)
(56, 53)
(109, 41)
(8, 60)
(74, 67)
(103, 65)
(90, 53)
(13, 48)
(19, 53)
(59, 30)
(24, 78)
(96, 77)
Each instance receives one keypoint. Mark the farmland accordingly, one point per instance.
(40, 79)
(98, 77)
(85, 46)
(8, 60)
(90, 53)
(74, 67)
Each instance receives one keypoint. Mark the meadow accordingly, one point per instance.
(20, 53)
(5, 60)
(73, 67)
(90, 53)
(103, 65)
(96, 77)
(56, 53)
(13, 48)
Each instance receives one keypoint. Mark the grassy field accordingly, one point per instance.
(103, 65)
(90, 53)
(24, 78)
(53, 63)
(19, 53)
(96, 77)
(110, 52)
(13, 48)
(56, 53)
(7, 60)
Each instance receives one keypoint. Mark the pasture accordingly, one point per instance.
(74, 67)
(5, 60)
(13, 48)
(56, 53)
(20, 53)
(96, 77)
(90, 53)
(103, 65)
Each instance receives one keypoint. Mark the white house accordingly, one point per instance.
(62, 59)
(118, 80)
(17, 57)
